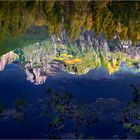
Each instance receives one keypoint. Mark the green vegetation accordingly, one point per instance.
(75, 60)
(20, 102)
(83, 61)
(13, 43)
(60, 108)
(136, 128)
(130, 116)
(127, 125)
(75, 16)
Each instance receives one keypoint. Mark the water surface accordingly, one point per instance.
(25, 103)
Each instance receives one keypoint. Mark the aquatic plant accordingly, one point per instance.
(20, 102)
(130, 117)
(60, 107)
(127, 125)
(56, 122)
(20, 111)
(136, 129)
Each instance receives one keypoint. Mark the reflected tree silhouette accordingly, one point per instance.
(130, 117)
(20, 111)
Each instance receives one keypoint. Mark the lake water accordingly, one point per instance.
(27, 113)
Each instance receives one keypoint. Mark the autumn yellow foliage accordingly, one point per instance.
(76, 60)
(68, 62)
(72, 61)
(66, 55)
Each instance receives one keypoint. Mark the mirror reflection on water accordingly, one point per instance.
(55, 89)
(69, 70)
(69, 106)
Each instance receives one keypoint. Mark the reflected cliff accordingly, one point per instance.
(74, 16)
(59, 55)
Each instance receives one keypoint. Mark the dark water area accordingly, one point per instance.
(26, 113)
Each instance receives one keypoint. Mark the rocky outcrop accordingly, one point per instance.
(36, 76)
(7, 59)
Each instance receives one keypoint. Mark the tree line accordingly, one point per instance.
(109, 17)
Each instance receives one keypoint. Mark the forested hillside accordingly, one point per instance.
(107, 16)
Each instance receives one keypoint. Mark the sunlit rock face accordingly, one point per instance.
(7, 59)
(36, 76)
(134, 51)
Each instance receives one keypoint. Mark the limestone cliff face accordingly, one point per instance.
(7, 59)
(36, 76)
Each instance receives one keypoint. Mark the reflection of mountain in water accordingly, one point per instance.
(88, 52)
(102, 73)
